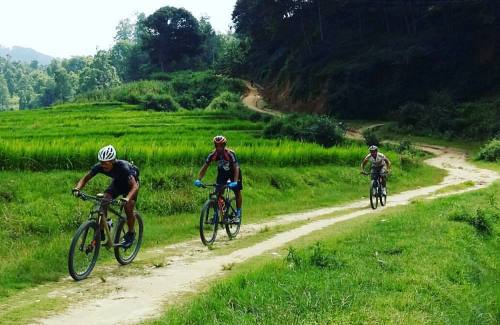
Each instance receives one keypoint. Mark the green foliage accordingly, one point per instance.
(320, 129)
(170, 35)
(490, 151)
(233, 56)
(163, 103)
(317, 56)
(443, 117)
(482, 220)
(189, 89)
(198, 89)
(4, 93)
(316, 256)
(226, 101)
(371, 138)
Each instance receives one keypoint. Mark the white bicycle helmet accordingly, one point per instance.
(373, 148)
(220, 139)
(107, 153)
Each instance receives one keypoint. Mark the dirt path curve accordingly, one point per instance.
(134, 298)
(358, 134)
(253, 100)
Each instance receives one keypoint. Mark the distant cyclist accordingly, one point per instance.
(379, 165)
(228, 168)
(125, 182)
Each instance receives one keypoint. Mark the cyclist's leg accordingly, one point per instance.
(239, 195)
(129, 208)
(109, 194)
(383, 176)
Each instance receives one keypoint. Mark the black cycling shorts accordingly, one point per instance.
(116, 189)
(222, 179)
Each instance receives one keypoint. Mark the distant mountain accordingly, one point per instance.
(25, 54)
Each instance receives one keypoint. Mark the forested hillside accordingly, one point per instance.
(369, 59)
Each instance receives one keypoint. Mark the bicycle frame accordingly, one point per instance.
(97, 213)
(222, 200)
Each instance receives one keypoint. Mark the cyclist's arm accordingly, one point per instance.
(134, 187)
(203, 170)
(363, 163)
(388, 162)
(82, 182)
(236, 167)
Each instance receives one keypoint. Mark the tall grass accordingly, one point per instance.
(68, 137)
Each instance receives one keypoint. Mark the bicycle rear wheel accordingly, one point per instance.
(123, 255)
(84, 250)
(383, 197)
(232, 229)
(209, 222)
(373, 195)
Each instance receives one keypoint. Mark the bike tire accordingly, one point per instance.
(123, 255)
(79, 273)
(232, 229)
(209, 223)
(382, 197)
(373, 196)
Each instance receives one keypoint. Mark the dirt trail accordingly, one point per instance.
(253, 100)
(131, 299)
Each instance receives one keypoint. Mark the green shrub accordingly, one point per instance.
(163, 103)
(320, 129)
(440, 116)
(317, 256)
(225, 101)
(163, 76)
(490, 151)
(408, 161)
(482, 220)
(371, 138)
(188, 89)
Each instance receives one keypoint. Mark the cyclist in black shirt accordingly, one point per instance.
(228, 168)
(125, 182)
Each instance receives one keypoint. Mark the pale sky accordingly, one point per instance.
(64, 28)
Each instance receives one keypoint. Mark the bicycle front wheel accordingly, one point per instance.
(373, 195)
(209, 223)
(84, 250)
(124, 255)
(232, 228)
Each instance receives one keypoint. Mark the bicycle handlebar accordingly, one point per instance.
(87, 197)
(213, 185)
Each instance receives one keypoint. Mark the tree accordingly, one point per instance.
(25, 92)
(124, 31)
(77, 63)
(4, 93)
(100, 74)
(65, 83)
(120, 56)
(233, 55)
(211, 43)
(171, 34)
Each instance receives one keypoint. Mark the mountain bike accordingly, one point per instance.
(86, 243)
(218, 210)
(377, 190)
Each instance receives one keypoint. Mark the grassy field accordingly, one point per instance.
(430, 263)
(44, 152)
(67, 137)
